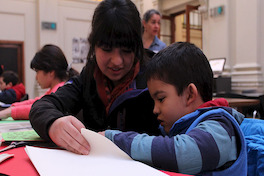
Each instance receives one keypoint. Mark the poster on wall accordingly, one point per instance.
(80, 48)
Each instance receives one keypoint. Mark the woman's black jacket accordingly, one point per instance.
(131, 111)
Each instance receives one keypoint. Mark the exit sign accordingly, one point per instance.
(217, 11)
(49, 25)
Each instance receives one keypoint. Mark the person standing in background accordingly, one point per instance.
(52, 71)
(151, 28)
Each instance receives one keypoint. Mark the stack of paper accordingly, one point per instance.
(9, 125)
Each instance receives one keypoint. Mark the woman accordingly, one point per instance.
(107, 88)
(52, 71)
(151, 24)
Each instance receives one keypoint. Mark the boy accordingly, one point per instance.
(12, 91)
(199, 135)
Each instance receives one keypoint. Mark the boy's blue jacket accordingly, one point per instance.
(253, 129)
(207, 141)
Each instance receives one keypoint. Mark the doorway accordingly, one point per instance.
(185, 25)
(12, 57)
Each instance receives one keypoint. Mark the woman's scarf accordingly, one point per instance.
(107, 92)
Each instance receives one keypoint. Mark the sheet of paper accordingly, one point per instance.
(4, 105)
(101, 162)
(101, 146)
(8, 125)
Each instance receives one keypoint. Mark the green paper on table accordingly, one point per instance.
(29, 135)
(11, 120)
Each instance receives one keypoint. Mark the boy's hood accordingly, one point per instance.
(183, 123)
(222, 102)
(215, 102)
(20, 91)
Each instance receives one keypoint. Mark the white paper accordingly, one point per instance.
(102, 146)
(15, 126)
(5, 156)
(104, 159)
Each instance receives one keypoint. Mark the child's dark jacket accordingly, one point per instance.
(12, 94)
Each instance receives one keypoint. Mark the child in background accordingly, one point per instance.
(199, 135)
(52, 71)
(12, 90)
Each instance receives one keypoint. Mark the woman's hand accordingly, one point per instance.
(5, 113)
(66, 133)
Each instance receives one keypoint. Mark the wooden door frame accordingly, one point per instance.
(172, 27)
(187, 11)
(19, 45)
(189, 8)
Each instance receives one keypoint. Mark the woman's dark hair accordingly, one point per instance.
(180, 64)
(51, 57)
(148, 14)
(116, 23)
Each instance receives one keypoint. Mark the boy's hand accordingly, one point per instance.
(102, 133)
(66, 133)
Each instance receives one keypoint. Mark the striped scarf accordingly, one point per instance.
(107, 92)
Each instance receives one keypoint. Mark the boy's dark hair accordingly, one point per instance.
(51, 57)
(180, 64)
(116, 23)
(10, 76)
